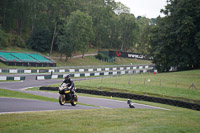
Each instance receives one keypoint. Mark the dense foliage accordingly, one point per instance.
(108, 24)
(175, 39)
(68, 26)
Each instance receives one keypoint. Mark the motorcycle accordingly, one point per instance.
(66, 95)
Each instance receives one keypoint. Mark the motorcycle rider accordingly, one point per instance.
(70, 83)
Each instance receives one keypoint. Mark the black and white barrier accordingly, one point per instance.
(12, 78)
(73, 70)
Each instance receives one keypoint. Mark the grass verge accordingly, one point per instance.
(103, 120)
(175, 85)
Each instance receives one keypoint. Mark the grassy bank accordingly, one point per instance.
(87, 61)
(103, 120)
(92, 61)
(174, 85)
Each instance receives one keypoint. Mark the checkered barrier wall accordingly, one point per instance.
(18, 71)
(12, 78)
(88, 74)
(72, 70)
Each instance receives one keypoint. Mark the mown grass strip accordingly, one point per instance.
(160, 85)
(175, 85)
(103, 120)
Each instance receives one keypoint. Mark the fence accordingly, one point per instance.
(148, 79)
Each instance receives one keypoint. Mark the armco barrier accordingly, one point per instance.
(76, 69)
(12, 78)
(88, 74)
(136, 97)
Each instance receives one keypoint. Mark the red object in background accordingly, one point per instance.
(154, 73)
(91, 46)
(14, 60)
(118, 53)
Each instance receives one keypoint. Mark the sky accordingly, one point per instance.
(147, 8)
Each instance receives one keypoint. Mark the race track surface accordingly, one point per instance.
(19, 105)
(8, 105)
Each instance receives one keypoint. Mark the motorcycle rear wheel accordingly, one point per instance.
(62, 99)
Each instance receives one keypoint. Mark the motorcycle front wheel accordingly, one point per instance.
(62, 99)
(75, 100)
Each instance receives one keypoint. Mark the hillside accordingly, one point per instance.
(78, 61)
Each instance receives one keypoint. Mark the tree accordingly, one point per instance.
(76, 35)
(80, 30)
(145, 26)
(65, 47)
(128, 31)
(63, 40)
(4, 38)
(101, 16)
(40, 40)
(57, 9)
(176, 37)
(121, 8)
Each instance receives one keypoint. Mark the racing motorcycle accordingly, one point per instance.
(66, 95)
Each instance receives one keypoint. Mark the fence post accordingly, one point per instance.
(160, 83)
(129, 81)
(193, 86)
(144, 80)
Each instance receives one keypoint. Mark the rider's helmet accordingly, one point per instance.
(67, 76)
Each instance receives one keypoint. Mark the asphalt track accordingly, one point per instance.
(10, 105)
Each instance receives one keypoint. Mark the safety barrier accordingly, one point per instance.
(12, 78)
(80, 69)
(89, 74)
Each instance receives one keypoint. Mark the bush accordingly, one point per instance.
(4, 39)
(12, 40)
(17, 41)
(99, 56)
(102, 57)
(40, 40)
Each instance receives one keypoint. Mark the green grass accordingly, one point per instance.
(87, 61)
(178, 120)
(103, 121)
(92, 61)
(173, 85)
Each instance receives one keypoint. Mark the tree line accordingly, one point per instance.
(68, 26)
(175, 40)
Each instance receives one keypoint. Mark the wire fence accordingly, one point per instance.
(149, 80)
